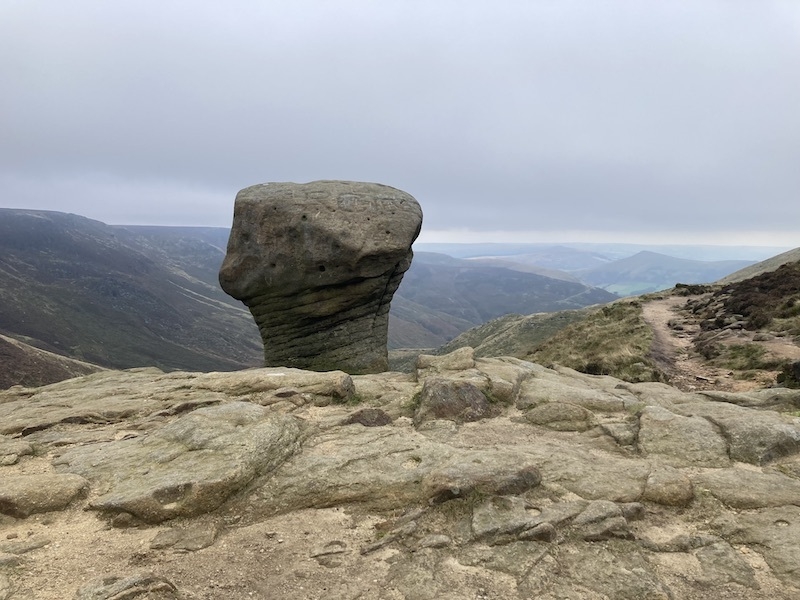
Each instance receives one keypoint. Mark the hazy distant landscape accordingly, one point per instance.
(127, 296)
(622, 269)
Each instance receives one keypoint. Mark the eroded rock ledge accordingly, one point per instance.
(490, 478)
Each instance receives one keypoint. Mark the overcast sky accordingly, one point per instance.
(531, 120)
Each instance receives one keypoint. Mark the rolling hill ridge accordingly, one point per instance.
(131, 296)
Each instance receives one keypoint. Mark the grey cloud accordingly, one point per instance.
(497, 116)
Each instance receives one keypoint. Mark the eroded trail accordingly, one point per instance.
(673, 335)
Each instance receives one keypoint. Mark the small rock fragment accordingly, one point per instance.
(144, 586)
(435, 541)
(368, 417)
(188, 539)
(668, 486)
(458, 401)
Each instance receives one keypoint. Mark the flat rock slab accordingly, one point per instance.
(753, 436)
(268, 385)
(388, 468)
(590, 475)
(743, 488)
(188, 467)
(776, 533)
(589, 571)
(188, 539)
(681, 441)
(24, 495)
(573, 389)
(561, 416)
(105, 397)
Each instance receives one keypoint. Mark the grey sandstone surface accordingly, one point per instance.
(469, 478)
(317, 264)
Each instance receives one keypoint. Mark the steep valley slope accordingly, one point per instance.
(133, 296)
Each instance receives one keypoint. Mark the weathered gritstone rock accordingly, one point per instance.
(269, 386)
(722, 564)
(579, 471)
(388, 468)
(616, 569)
(772, 398)
(494, 508)
(668, 486)
(23, 495)
(776, 533)
(598, 394)
(90, 399)
(681, 441)
(11, 450)
(188, 467)
(459, 401)
(743, 488)
(458, 360)
(317, 264)
(753, 436)
(144, 586)
(561, 416)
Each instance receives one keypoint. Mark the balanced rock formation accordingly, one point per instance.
(317, 264)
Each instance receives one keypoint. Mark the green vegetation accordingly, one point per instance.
(614, 340)
(410, 407)
(773, 295)
(788, 325)
(351, 400)
(790, 376)
(514, 335)
(746, 357)
(692, 289)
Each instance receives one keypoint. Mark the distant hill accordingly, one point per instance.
(555, 257)
(514, 335)
(511, 263)
(732, 334)
(451, 295)
(649, 272)
(129, 296)
(624, 269)
(25, 365)
(569, 256)
(765, 266)
(119, 297)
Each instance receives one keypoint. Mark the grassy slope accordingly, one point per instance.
(83, 289)
(613, 340)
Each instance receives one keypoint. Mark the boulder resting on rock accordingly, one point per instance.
(317, 264)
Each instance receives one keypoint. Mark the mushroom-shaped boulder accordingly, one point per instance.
(317, 264)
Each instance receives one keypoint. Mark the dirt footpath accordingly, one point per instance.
(673, 336)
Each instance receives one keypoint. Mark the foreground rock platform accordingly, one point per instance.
(488, 478)
(317, 264)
